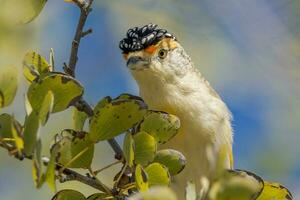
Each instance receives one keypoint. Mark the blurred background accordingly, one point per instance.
(249, 50)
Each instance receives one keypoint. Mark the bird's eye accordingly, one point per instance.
(162, 53)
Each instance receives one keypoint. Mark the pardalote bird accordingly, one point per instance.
(168, 81)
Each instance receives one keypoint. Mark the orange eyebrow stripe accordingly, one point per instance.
(151, 49)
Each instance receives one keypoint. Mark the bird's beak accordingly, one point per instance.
(137, 63)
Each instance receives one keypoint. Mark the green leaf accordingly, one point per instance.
(190, 191)
(128, 149)
(141, 178)
(37, 169)
(46, 108)
(10, 131)
(144, 148)
(16, 133)
(155, 193)
(275, 191)
(236, 185)
(6, 122)
(50, 173)
(79, 119)
(1, 100)
(20, 12)
(35, 65)
(172, 159)
(157, 174)
(75, 149)
(126, 96)
(28, 107)
(160, 125)
(31, 129)
(113, 117)
(66, 90)
(8, 85)
(68, 195)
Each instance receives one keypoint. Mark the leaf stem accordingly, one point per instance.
(106, 167)
(121, 174)
(75, 158)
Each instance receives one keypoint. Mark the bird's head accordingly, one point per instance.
(153, 53)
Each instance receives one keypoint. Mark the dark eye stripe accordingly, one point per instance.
(139, 38)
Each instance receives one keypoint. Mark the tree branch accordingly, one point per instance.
(82, 105)
(95, 183)
(68, 172)
(85, 9)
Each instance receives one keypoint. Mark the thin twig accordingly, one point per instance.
(81, 178)
(75, 158)
(82, 105)
(106, 167)
(86, 32)
(68, 172)
(117, 149)
(84, 12)
(121, 174)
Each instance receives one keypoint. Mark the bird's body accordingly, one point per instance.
(168, 81)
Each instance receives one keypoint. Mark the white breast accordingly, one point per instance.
(175, 86)
(205, 120)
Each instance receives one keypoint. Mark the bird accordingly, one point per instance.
(168, 81)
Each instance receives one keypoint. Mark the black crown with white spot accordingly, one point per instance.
(139, 38)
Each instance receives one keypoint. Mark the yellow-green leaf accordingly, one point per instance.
(68, 195)
(28, 107)
(1, 100)
(65, 89)
(37, 169)
(6, 121)
(75, 149)
(172, 159)
(8, 85)
(128, 149)
(79, 119)
(141, 178)
(144, 148)
(46, 108)
(35, 65)
(160, 125)
(16, 133)
(236, 185)
(131, 97)
(17, 137)
(50, 173)
(113, 117)
(157, 174)
(20, 12)
(7, 127)
(31, 128)
(274, 191)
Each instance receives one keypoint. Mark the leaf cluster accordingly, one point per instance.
(50, 92)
